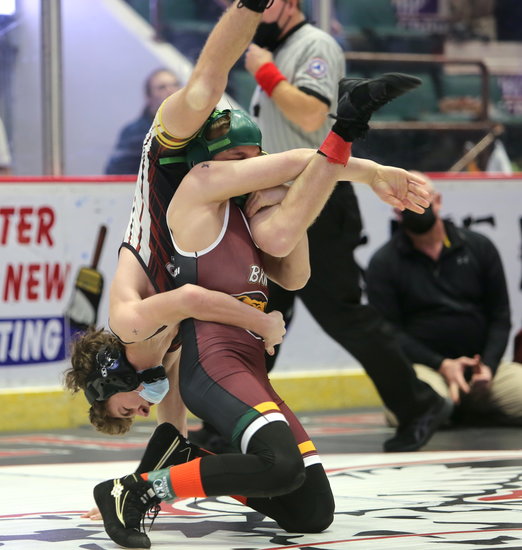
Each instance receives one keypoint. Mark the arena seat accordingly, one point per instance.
(378, 15)
(412, 105)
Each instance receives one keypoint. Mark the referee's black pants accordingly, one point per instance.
(333, 297)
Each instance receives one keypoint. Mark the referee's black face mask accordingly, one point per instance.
(268, 34)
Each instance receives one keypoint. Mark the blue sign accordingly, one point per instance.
(32, 341)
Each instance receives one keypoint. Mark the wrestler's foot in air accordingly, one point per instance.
(123, 504)
(359, 98)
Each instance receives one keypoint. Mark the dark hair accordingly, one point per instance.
(150, 78)
(84, 349)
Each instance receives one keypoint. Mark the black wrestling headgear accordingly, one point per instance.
(114, 374)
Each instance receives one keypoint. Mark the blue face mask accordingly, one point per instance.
(155, 391)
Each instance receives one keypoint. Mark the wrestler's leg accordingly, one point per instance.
(228, 386)
(310, 507)
(307, 509)
(234, 391)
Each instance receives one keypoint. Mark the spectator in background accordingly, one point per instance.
(125, 159)
(472, 19)
(297, 67)
(5, 155)
(443, 288)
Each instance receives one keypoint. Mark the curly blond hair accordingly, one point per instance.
(84, 349)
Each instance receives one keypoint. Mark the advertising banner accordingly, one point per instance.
(58, 246)
(58, 252)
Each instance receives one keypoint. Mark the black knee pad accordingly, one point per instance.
(275, 444)
(321, 519)
(311, 507)
(308, 509)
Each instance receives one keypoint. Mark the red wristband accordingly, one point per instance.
(268, 76)
(336, 149)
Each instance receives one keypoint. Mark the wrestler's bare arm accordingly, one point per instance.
(200, 198)
(136, 320)
(184, 112)
(219, 180)
(292, 271)
(394, 186)
(213, 182)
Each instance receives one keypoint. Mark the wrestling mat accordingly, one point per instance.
(458, 500)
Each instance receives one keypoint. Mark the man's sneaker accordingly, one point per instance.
(123, 504)
(413, 435)
(359, 98)
(167, 447)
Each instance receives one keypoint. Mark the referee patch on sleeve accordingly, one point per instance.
(317, 67)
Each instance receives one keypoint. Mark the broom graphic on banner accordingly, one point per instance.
(82, 310)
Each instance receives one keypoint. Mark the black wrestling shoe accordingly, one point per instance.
(167, 447)
(123, 504)
(359, 98)
(413, 435)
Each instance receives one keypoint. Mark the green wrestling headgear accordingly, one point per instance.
(242, 131)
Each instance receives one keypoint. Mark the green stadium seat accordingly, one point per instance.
(447, 117)
(371, 25)
(462, 85)
(469, 86)
(180, 14)
(179, 11)
(366, 13)
(413, 105)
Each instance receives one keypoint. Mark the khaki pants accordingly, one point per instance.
(501, 404)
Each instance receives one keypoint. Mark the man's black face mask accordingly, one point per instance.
(267, 35)
(418, 223)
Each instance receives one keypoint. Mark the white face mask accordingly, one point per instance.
(155, 391)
